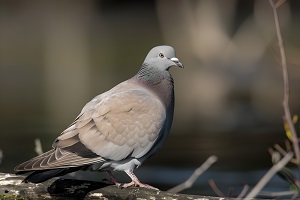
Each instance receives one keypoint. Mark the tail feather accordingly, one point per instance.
(58, 158)
(39, 176)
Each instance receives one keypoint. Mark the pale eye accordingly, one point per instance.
(161, 55)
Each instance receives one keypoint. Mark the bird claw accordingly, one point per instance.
(126, 185)
(138, 184)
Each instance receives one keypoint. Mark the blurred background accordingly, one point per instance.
(55, 56)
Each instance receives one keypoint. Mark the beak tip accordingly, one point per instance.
(177, 62)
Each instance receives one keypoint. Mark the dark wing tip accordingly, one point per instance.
(39, 176)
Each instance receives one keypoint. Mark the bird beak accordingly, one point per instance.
(176, 61)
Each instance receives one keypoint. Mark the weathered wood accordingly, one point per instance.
(12, 187)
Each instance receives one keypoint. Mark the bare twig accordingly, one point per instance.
(274, 169)
(285, 172)
(278, 194)
(283, 152)
(287, 114)
(38, 146)
(279, 3)
(288, 145)
(243, 192)
(279, 149)
(215, 188)
(190, 181)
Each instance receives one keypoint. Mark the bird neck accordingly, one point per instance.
(159, 82)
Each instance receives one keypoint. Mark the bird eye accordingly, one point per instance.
(161, 55)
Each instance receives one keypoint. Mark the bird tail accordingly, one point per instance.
(39, 176)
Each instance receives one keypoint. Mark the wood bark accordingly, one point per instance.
(12, 187)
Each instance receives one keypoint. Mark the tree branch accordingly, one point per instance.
(266, 178)
(190, 181)
(287, 113)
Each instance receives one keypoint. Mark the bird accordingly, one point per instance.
(117, 130)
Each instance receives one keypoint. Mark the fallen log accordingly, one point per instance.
(12, 187)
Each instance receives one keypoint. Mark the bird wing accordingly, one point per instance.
(123, 124)
(119, 125)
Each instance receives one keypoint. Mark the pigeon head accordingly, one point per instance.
(163, 57)
(156, 65)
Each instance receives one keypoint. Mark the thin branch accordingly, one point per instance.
(279, 3)
(266, 178)
(283, 152)
(287, 113)
(285, 172)
(215, 188)
(280, 149)
(288, 145)
(190, 181)
(278, 194)
(38, 146)
(243, 192)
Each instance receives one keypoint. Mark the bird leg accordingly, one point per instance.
(112, 178)
(135, 182)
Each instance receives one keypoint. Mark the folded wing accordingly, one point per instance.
(124, 124)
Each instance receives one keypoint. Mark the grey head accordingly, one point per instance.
(164, 56)
(156, 65)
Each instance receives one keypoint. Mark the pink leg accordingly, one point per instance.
(135, 181)
(112, 178)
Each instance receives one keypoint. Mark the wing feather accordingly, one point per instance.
(129, 124)
(114, 127)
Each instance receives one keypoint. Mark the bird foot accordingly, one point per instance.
(111, 182)
(138, 184)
